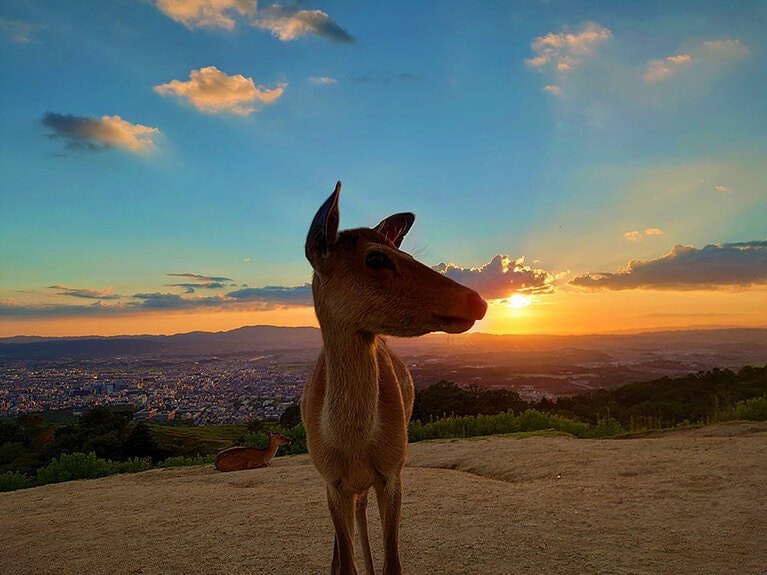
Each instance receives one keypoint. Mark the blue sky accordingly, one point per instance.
(165, 156)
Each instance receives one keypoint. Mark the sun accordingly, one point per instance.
(517, 301)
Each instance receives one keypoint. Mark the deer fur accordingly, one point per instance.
(239, 458)
(357, 402)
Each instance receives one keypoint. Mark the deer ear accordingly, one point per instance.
(324, 229)
(395, 227)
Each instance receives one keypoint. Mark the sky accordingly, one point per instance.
(587, 166)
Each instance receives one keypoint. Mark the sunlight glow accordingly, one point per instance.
(518, 300)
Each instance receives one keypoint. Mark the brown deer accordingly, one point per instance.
(357, 402)
(239, 458)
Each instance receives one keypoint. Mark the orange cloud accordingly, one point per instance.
(634, 235)
(658, 70)
(564, 51)
(287, 23)
(214, 92)
(206, 13)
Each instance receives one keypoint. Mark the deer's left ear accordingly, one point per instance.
(395, 227)
(323, 232)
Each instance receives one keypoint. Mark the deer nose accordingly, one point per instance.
(477, 305)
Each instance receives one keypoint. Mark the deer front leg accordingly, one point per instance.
(362, 527)
(389, 495)
(341, 505)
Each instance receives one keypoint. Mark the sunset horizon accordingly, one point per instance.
(586, 167)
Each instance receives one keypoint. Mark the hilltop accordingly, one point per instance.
(683, 502)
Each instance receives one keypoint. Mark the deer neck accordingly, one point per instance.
(350, 412)
(271, 449)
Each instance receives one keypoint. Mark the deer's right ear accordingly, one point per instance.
(324, 229)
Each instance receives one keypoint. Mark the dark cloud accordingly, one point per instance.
(74, 130)
(93, 134)
(202, 282)
(201, 278)
(688, 268)
(98, 308)
(275, 295)
(501, 277)
(172, 301)
(97, 294)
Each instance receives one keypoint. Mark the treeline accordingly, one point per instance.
(35, 451)
(446, 410)
(105, 441)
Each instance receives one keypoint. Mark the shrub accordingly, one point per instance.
(11, 481)
(68, 467)
(528, 421)
(752, 409)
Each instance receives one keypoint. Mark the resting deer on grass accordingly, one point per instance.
(357, 402)
(239, 458)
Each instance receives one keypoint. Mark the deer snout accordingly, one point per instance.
(477, 306)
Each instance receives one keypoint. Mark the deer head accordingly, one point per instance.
(363, 282)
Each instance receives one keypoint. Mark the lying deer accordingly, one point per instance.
(358, 400)
(239, 458)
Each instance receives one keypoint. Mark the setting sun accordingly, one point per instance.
(518, 300)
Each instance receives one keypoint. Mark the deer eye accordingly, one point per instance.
(378, 261)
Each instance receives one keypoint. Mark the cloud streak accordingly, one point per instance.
(198, 281)
(97, 294)
(275, 296)
(715, 266)
(93, 134)
(215, 92)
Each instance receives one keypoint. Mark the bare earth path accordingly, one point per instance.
(688, 502)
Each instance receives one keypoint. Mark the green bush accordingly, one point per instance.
(752, 409)
(528, 421)
(69, 467)
(11, 481)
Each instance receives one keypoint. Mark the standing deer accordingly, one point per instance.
(239, 458)
(357, 402)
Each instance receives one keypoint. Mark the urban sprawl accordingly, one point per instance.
(202, 391)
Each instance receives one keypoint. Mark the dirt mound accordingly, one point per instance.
(679, 503)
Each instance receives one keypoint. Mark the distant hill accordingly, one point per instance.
(259, 339)
(254, 339)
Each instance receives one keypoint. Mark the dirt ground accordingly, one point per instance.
(686, 502)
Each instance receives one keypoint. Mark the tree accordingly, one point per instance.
(291, 416)
(141, 442)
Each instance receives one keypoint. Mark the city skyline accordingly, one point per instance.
(586, 166)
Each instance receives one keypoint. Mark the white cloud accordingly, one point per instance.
(553, 89)
(17, 31)
(212, 91)
(322, 80)
(722, 52)
(207, 13)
